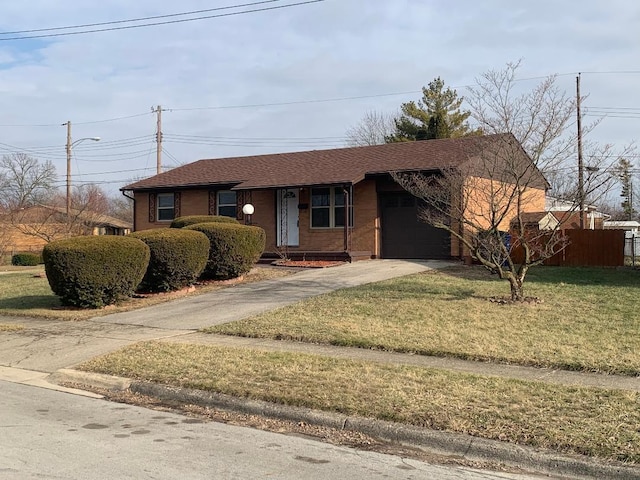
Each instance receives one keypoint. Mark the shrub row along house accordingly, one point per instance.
(343, 203)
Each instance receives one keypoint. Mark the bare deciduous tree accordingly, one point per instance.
(25, 181)
(494, 194)
(485, 198)
(543, 121)
(374, 127)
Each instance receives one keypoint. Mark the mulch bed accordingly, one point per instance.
(307, 263)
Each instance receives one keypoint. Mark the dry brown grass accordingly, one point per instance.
(8, 327)
(590, 421)
(588, 319)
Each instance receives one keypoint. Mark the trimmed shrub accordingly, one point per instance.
(95, 271)
(26, 259)
(234, 248)
(182, 222)
(178, 257)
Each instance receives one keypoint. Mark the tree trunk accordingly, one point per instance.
(517, 290)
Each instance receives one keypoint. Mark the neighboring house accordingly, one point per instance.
(631, 226)
(538, 221)
(339, 203)
(568, 214)
(32, 228)
(631, 235)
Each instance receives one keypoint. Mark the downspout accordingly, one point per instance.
(124, 192)
(347, 248)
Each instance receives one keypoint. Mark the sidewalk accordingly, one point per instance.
(560, 377)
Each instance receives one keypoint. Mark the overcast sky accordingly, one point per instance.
(219, 78)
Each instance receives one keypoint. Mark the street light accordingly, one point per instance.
(70, 145)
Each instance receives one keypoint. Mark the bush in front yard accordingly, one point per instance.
(234, 248)
(185, 221)
(26, 259)
(95, 271)
(178, 257)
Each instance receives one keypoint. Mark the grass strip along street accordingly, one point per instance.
(589, 421)
(588, 319)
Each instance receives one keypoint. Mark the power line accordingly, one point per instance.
(298, 102)
(255, 138)
(141, 19)
(168, 22)
(75, 123)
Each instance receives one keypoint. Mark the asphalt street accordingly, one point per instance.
(54, 435)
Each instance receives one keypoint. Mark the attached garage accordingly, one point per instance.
(404, 235)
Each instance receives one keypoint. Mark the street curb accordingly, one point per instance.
(98, 380)
(452, 444)
(472, 448)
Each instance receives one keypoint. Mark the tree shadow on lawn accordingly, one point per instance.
(580, 276)
(30, 302)
(408, 288)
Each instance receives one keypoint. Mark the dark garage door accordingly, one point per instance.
(404, 235)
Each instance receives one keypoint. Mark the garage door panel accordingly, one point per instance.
(404, 235)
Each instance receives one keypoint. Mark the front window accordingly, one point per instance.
(227, 203)
(166, 210)
(327, 208)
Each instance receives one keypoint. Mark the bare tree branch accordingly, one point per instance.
(374, 127)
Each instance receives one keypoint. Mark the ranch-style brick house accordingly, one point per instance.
(332, 204)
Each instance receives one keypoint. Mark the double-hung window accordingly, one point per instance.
(226, 204)
(165, 207)
(327, 208)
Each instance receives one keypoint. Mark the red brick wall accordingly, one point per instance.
(364, 235)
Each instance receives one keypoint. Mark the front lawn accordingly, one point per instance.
(589, 318)
(589, 421)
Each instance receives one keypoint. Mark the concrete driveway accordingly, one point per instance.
(49, 345)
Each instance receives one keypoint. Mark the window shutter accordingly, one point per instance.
(176, 204)
(152, 207)
(212, 202)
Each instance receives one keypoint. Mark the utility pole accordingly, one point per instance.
(69, 146)
(68, 124)
(580, 162)
(158, 111)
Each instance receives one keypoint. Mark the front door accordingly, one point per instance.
(288, 225)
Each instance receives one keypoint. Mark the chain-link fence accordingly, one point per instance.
(632, 249)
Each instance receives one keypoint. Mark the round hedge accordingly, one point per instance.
(234, 248)
(178, 257)
(95, 271)
(185, 221)
(26, 259)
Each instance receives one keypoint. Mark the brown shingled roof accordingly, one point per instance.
(320, 167)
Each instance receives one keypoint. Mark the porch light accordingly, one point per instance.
(248, 210)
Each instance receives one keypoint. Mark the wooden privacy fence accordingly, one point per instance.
(586, 248)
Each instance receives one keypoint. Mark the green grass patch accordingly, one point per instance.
(588, 321)
(589, 421)
(26, 294)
